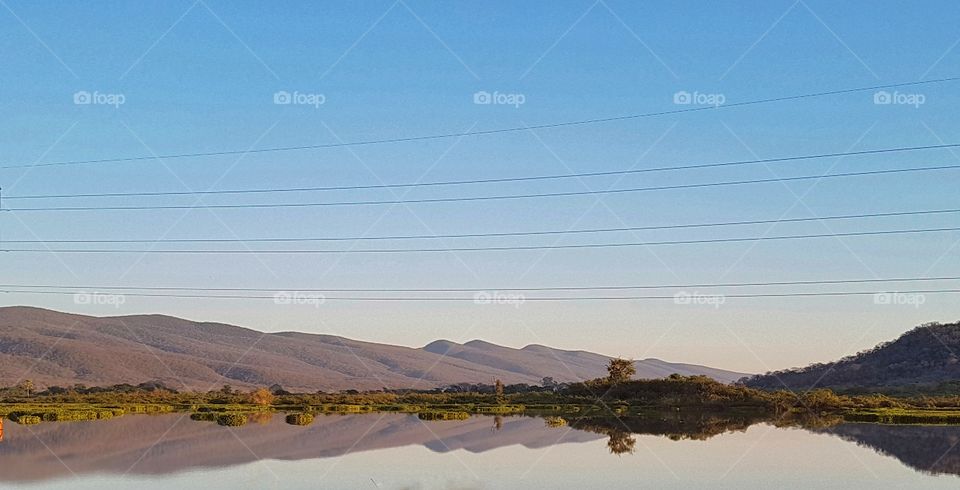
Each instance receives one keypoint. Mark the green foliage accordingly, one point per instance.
(903, 416)
(823, 400)
(554, 422)
(670, 392)
(232, 419)
(28, 419)
(620, 370)
(498, 392)
(598, 397)
(299, 418)
(499, 409)
(438, 415)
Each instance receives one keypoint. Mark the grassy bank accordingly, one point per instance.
(925, 416)
(595, 398)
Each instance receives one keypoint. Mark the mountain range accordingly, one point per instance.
(925, 359)
(62, 349)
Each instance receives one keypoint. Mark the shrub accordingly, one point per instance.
(28, 419)
(299, 418)
(443, 415)
(232, 419)
(555, 421)
(203, 416)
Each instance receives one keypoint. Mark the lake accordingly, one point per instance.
(394, 451)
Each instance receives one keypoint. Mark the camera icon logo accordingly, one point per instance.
(682, 98)
(482, 98)
(882, 98)
(82, 97)
(282, 98)
(883, 298)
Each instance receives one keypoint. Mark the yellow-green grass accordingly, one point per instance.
(904, 416)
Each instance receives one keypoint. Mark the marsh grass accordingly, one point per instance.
(904, 416)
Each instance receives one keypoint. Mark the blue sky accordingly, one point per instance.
(198, 77)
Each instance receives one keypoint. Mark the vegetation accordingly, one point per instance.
(27, 419)
(614, 395)
(620, 370)
(904, 416)
(443, 415)
(232, 419)
(300, 419)
(262, 397)
(554, 421)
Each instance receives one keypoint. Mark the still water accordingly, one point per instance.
(387, 451)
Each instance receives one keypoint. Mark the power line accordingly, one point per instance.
(518, 299)
(481, 249)
(499, 234)
(488, 289)
(484, 132)
(482, 198)
(491, 180)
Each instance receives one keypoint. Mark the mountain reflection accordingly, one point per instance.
(172, 443)
(928, 448)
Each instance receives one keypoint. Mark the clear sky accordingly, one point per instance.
(201, 77)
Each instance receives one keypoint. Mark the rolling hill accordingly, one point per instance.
(54, 348)
(922, 359)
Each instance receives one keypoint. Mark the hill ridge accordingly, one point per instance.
(57, 348)
(920, 359)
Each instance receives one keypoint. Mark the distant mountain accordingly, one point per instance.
(54, 348)
(921, 359)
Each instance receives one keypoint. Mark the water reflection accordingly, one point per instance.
(171, 443)
(927, 448)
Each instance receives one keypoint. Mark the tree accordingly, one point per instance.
(498, 388)
(26, 386)
(262, 397)
(226, 390)
(620, 370)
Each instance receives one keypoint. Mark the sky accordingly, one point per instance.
(195, 77)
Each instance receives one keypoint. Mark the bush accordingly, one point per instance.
(555, 421)
(232, 419)
(443, 415)
(28, 419)
(299, 418)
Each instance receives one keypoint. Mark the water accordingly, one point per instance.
(400, 451)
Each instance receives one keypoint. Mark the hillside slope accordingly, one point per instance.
(53, 348)
(920, 359)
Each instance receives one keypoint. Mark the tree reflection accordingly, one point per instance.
(676, 426)
(621, 442)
